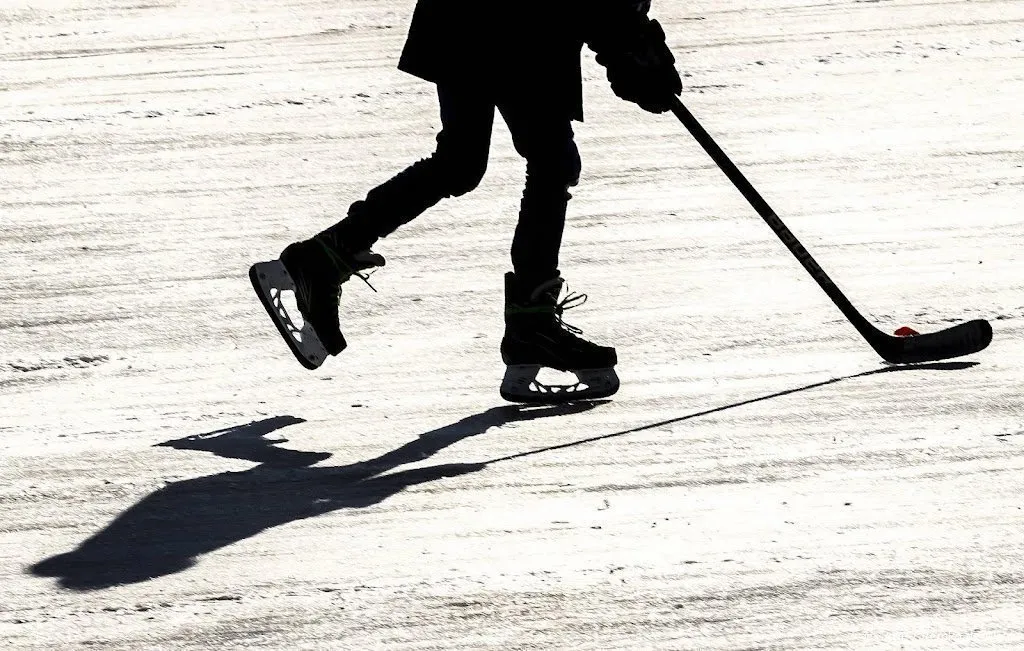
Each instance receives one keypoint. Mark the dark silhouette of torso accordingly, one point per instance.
(522, 49)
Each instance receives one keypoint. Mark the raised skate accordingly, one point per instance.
(314, 273)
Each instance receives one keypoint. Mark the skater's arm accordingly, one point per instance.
(632, 48)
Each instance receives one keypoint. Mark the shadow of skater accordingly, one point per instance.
(168, 530)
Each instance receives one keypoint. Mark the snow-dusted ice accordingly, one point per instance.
(171, 477)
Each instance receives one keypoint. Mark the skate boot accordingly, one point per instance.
(536, 337)
(315, 272)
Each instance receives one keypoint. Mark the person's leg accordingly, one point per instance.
(455, 168)
(545, 140)
(318, 267)
(535, 334)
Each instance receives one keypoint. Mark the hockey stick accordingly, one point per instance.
(961, 339)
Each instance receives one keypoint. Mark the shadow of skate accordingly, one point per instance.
(249, 442)
(168, 530)
(935, 366)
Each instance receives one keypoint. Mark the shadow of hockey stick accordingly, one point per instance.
(938, 366)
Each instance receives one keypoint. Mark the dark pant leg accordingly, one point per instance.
(545, 139)
(455, 168)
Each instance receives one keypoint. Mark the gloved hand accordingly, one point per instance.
(642, 69)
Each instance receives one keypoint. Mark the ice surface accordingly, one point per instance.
(756, 482)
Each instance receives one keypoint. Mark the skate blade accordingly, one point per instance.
(520, 384)
(269, 280)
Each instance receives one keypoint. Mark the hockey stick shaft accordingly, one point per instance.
(774, 222)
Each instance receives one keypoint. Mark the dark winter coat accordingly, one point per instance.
(528, 49)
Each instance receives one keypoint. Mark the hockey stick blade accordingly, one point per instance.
(957, 341)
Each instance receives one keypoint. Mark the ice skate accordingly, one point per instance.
(536, 337)
(315, 273)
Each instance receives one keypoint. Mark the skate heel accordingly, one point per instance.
(270, 280)
(518, 381)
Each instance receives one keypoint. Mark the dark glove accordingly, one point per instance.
(642, 69)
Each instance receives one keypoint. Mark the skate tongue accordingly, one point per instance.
(365, 264)
(367, 259)
(544, 289)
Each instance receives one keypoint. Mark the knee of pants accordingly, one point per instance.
(460, 170)
(558, 168)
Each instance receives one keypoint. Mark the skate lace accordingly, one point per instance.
(570, 301)
(342, 264)
(365, 277)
